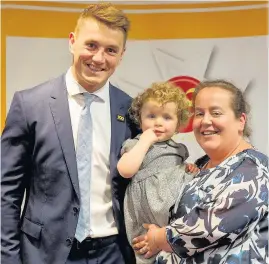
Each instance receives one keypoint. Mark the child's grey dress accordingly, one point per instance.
(155, 188)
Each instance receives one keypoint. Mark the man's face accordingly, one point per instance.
(97, 51)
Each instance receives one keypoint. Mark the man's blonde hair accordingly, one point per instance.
(107, 14)
(162, 93)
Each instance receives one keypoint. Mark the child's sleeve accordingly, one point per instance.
(183, 151)
(128, 145)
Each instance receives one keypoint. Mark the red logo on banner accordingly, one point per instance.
(187, 84)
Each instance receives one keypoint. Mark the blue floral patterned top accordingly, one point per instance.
(222, 216)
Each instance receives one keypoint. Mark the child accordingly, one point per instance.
(153, 160)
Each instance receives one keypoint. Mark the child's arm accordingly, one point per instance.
(131, 161)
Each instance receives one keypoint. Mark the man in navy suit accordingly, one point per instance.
(39, 145)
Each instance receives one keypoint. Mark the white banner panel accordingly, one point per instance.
(240, 60)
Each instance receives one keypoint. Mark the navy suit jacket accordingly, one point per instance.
(38, 155)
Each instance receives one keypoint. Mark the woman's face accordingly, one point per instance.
(215, 126)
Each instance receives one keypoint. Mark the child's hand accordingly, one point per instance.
(149, 136)
(192, 168)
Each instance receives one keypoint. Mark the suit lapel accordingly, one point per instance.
(118, 125)
(60, 111)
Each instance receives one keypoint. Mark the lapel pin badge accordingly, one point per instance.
(120, 118)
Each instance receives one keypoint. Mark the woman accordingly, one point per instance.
(222, 216)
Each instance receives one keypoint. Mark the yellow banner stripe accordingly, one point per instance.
(222, 24)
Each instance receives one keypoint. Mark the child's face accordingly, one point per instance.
(161, 118)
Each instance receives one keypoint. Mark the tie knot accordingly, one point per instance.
(89, 98)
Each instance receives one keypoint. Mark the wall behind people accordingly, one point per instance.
(181, 42)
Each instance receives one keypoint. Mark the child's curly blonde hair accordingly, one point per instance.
(162, 93)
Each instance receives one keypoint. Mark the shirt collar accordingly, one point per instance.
(74, 88)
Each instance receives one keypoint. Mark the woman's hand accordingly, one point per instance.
(152, 242)
(145, 244)
(140, 244)
(192, 168)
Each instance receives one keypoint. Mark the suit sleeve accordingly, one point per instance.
(15, 158)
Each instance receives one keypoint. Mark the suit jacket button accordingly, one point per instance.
(75, 210)
(68, 241)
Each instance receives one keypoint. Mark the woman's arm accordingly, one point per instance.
(235, 211)
(237, 208)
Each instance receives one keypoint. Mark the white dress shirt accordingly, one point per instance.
(101, 220)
